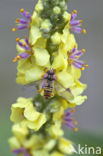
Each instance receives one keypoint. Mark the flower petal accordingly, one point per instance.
(79, 88)
(59, 62)
(78, 100)
(14, 143)
(30, 113)
(65, 146)
(42, 56)
(35, 34)
(34, 74)
(36, 125)
(65, 79)
(75, 72)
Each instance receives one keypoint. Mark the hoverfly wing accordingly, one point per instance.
(33, 86)
(64, 92)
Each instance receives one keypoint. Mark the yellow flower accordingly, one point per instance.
(25, 113)
(65, 146)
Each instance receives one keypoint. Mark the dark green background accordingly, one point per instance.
(90, 114)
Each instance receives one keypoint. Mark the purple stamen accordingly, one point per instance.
(76, 29)
(24, 55)
(79, 53)
(20, 44)
(21, 151)
(77, 65)
(75, 23)
(27, 41)
(26, 14)
(74, 50)
(26, 46)
(68, 113)
(68, 121)
(18, 151)
(73, 16)
(21, 27)
(73, 58)
(23, 21)
(70, 125)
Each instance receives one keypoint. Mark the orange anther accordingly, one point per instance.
(24, 44)
(73, 110)
(84, 31)
(14, 29)
(75, 129)
(81, 21)
(75, 123)
(82, 68)
(75, 11)
(21, 10)
(85, 65)
(83, 50)
(17, 20)
(17, 39)
(76, 56)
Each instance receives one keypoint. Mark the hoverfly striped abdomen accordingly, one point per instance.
(48, 85)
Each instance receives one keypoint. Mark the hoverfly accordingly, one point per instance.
(49, 85)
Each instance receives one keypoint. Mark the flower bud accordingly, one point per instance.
(56, 38)
(56, 10)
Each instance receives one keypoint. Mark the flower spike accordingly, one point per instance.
(73, 58)
(75, 24)
(23, 23)
(49, 62)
